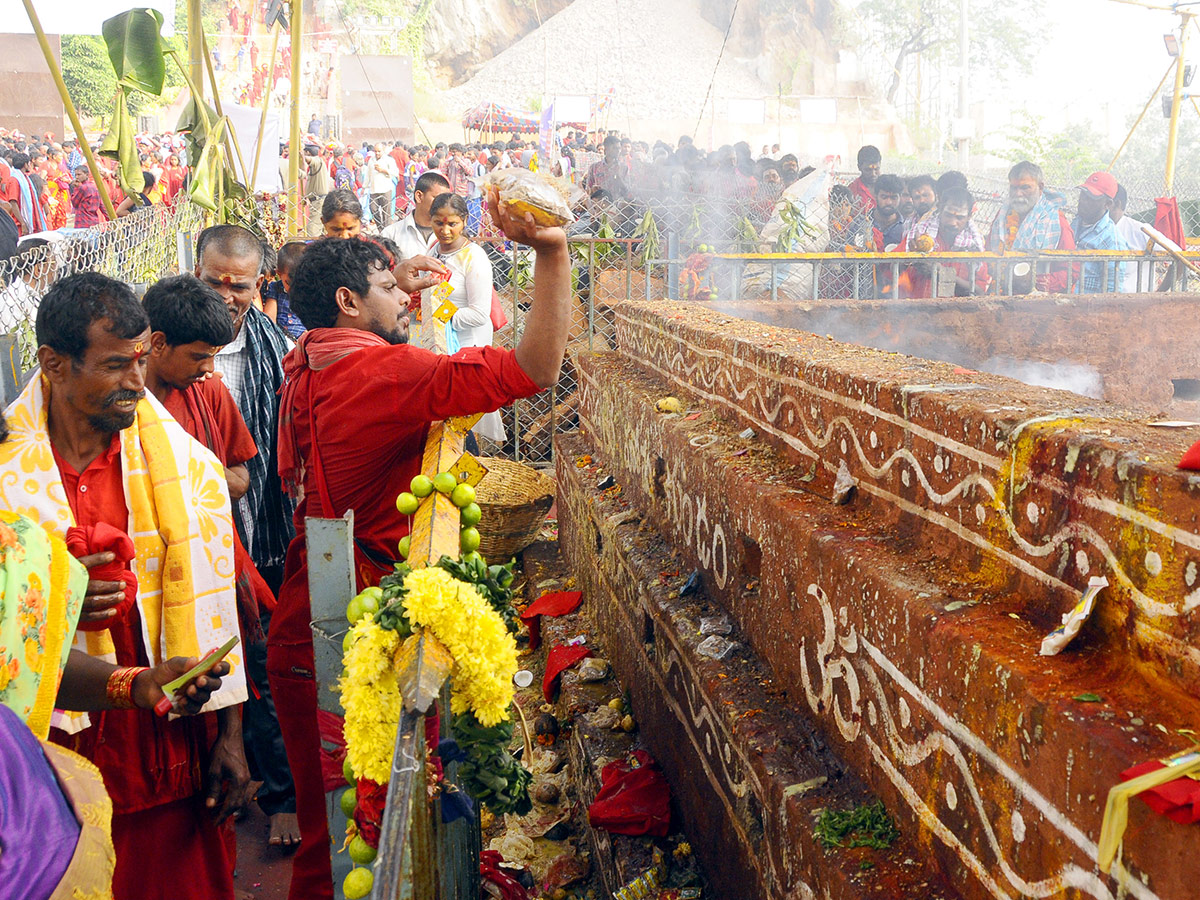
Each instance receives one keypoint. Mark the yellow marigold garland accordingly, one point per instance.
(485, 654)
(485, 660)
(371, 700)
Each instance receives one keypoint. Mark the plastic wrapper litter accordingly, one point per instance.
(548, 200)
(1072, 621)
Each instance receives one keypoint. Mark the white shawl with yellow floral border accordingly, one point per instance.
(179, 521)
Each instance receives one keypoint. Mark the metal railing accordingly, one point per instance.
(1009, 273)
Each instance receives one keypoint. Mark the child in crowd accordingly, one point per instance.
(342, 214)
(275, 293)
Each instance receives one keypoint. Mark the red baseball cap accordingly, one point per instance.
(1100, 184)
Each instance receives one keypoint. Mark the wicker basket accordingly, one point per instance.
(515, 499)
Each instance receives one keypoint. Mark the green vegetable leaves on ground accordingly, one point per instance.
(862, 826)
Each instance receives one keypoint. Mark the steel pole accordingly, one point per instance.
(1176, 101)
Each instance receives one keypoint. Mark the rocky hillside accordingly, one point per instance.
(658, 55)
(462, 35)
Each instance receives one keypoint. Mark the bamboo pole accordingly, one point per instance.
(294, 141)
(231, 140)
(195, 42)
(262, 122)
(84, 147)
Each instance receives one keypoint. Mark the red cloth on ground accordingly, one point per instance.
(1178, 800)
(557, 603)
(560, 659)
(489, 870)
(173, 851)
(100, 538)
(1191, 458)
(634, 797)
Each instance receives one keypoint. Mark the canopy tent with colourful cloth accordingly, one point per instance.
(493, 118)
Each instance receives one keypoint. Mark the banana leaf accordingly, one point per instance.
(135, 48)
(119, 145)
(194, 124)
(213, 185)
(206, 173)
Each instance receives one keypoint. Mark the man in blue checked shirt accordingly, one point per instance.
(1094, 230)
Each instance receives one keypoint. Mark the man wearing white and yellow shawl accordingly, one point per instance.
(96, 461)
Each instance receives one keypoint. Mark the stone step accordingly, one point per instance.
(927, 682)
(1017, 490)
(617, 859)
(749, 777)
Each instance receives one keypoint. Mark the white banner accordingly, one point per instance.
(244, 120)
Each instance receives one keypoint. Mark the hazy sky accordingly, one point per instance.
(74, 16)
(1098, 52)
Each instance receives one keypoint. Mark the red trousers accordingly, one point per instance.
(291, 671)
(173, 852)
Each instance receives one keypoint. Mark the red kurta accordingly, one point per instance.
(236, 445)
(370, 413)
(153, 768)
(865, 200)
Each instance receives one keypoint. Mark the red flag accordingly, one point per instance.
(1168, 221)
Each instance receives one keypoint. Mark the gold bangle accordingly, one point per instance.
(119, 689)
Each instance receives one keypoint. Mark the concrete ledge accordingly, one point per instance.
(922, 676)
(747, 775)
(1138, 344)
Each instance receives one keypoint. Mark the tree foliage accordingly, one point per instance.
(88, 74)
(1066, 156)
(91, 82)
(902, 31)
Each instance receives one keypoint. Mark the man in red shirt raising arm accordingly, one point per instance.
(356, 408)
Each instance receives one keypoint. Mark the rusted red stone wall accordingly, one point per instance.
(905, 626)
(1139, 344)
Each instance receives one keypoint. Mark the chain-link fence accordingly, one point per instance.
(670, 245)
(667, 244)
(604, 272)
(139, 248)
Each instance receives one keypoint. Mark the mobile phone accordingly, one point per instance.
(206, 665)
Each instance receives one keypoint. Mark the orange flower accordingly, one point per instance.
(8, 537)
(35, 601)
